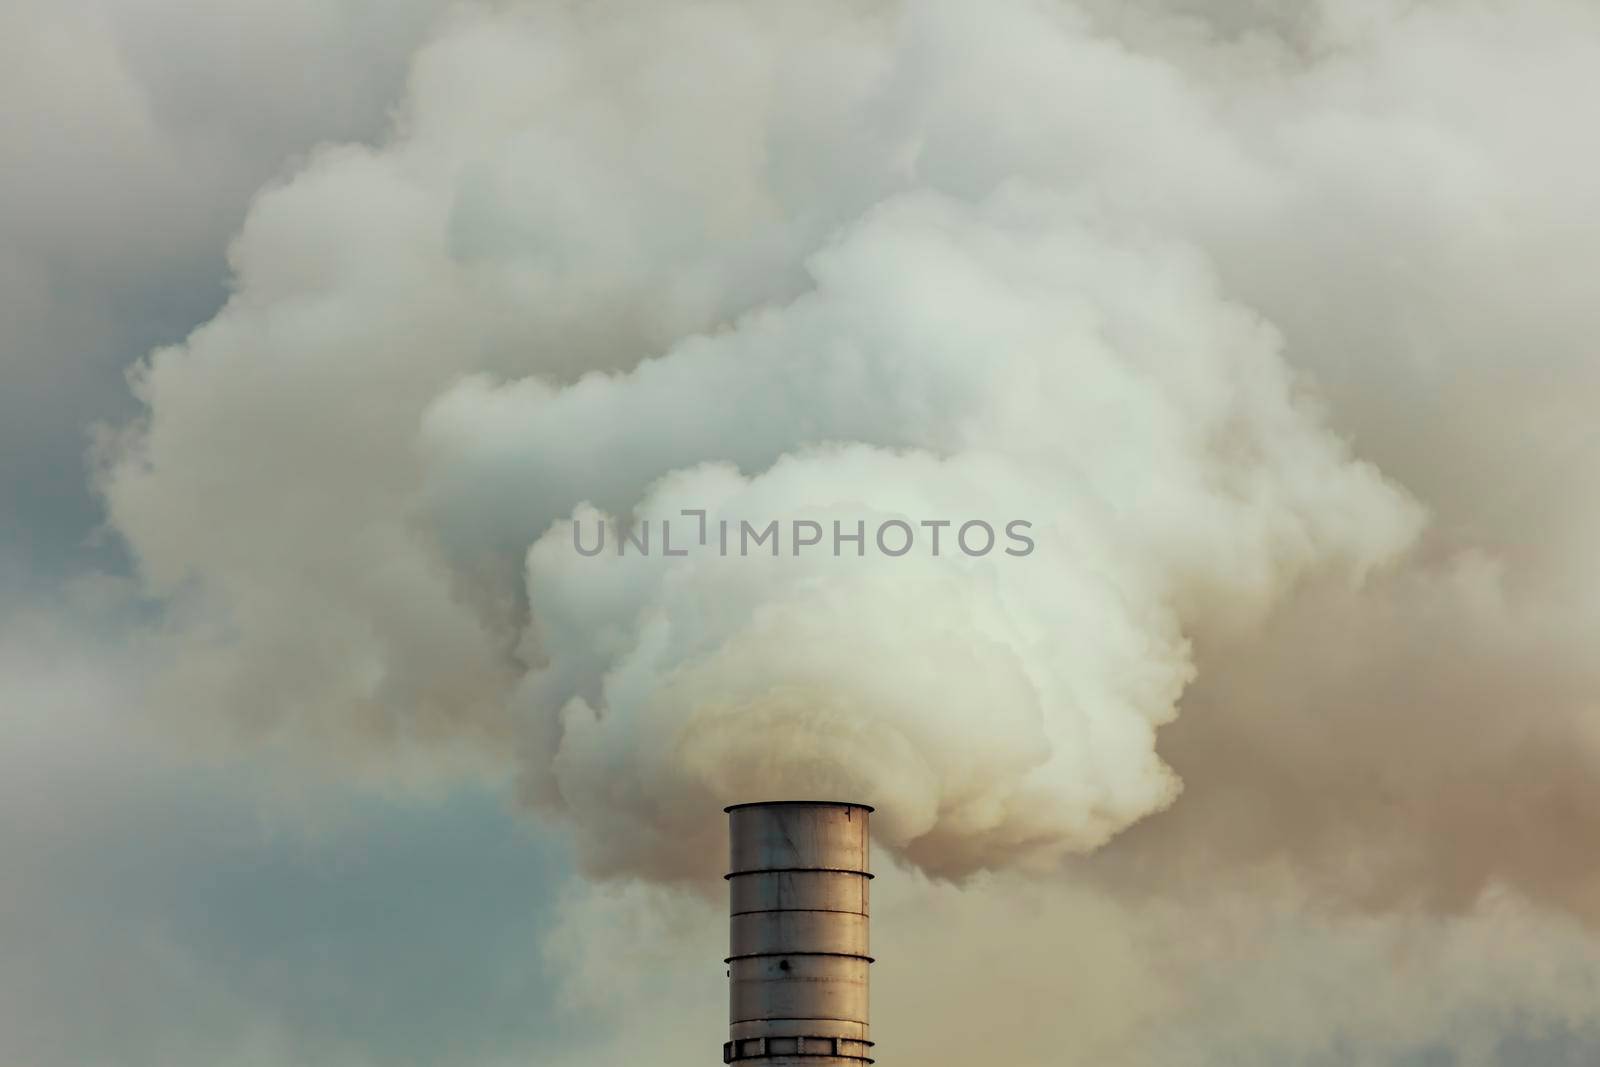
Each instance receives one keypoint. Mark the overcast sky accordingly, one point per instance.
(322, 320)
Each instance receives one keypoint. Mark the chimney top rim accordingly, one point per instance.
(800, 803)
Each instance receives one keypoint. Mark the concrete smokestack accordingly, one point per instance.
(797, 967)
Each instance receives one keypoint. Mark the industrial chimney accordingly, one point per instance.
(797, 967)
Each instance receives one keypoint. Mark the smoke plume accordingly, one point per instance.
(1273, 330)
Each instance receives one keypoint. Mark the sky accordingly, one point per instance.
(327, 323)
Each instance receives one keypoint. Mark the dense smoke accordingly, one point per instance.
(1273, 329)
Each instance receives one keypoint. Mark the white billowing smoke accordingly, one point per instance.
(840, 263)
(951, 361)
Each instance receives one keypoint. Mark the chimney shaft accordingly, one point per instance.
(798, 959)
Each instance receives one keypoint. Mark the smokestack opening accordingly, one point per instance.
(798, 903)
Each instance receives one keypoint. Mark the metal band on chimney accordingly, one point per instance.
(798, 892)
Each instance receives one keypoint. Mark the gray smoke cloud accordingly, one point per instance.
(1273, 325)
(1040, 971)
(133, 138)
